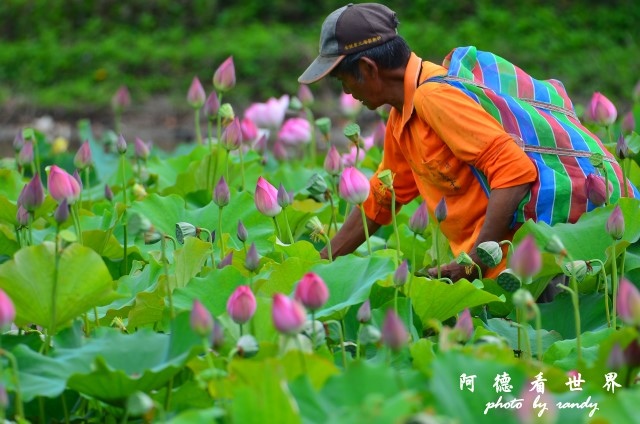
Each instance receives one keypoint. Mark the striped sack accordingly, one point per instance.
(540, 117)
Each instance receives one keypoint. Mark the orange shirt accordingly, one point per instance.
(430, 145)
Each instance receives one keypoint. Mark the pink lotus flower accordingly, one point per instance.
(628, 302)
(595, 189)
(241, 305)
(601, 110)
(304, 95)
(311, 291)
(420, 219)
(83, 159)
(121, 99)
(333, 162)
(196, 95)
(224, 79)
(221, 195)
(266, 198)
(349, 106)
(7, 310)
(394, 333)
(141, 149)
(615, 223)
(441, 210)
(231, 137)
(288, 315)
(211, 106)
(354, 186)
(526, 260)
(200, 319)
(62, 185)
(25, 157)
(270, 114)
(249, 130)
(295, 131)
(32, 195)
(628, 124)
(364, 312)
(465, 324)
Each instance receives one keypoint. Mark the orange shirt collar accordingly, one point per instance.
(411, 75)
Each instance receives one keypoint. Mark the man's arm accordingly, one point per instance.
(503, 203)
(351, 235)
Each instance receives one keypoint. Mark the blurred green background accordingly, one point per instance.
(69, 56)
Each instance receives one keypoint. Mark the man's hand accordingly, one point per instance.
(454, 272)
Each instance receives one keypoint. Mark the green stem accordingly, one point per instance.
(210, 158)
(197, 126)
(479, 271)
(614, 282)
(240, 326)
(435, 237)
(275, 223)
(87, 174)
(286, 221)
(226, 164)
(312, 143)
(36, 155)
(207, 353)
(165, 268)
(95, 314)
(313, 330)
(606, 291)
(16, 382)
(65, 408)
(366, 228)
(395, 225)
(241, 168)
(519, 331)
(75, 213)
(358, 341)
(167, 396)
(625, 172)
(334, 218)
(538, 331)
(355, 162)
(54, 290)
(576, 314)
(329, 248)
(395, 300)
(220, 233)
(527, 341)
(303, 363)
(344, 352)
(123, 161)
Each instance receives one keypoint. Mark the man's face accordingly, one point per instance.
(364, 89)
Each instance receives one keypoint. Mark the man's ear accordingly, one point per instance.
(368, 67)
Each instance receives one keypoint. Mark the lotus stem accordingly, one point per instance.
(395, 225)
(366, 228)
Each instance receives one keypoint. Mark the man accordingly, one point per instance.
(434, 133)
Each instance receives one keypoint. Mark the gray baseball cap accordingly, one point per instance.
(350, 29)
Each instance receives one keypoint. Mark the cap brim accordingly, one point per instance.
(319, 68)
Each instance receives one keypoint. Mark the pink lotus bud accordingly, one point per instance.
(628, 299)
(622, 147)
(288, 315)
(280, 151)
(121, 99)
(62, 185)
(196, 95)
(401, 274)
(420, 219)
(441, 210)
(249, 130)
(18, 141)
(266, 198)
(83, 158)
(595, 188)
(224, 79)
(22, 216)
(333, 162)
(378, 134)
(211, 106)
(121, 145)
(349, 159)
(242, 233)
(270, 114)
(141, 149)
(628, 124)
(349, 106)
(241, 305)
(354, 186)
(217, 335)
(526, 260)
(32, 195)
(76, 176)
(295, 131)
(221, 195)
(7, 310)
(25, 157)
(304, 95)
(61, 213)
(108, 193)
(616, 359)
(231, 137)
(252, 261)
(364, 312)
(226, 261)
(200, 319)
(465, 325)
(615, 223)
(601, 110)
(394, 333)
(311, 291)
(284, 197)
